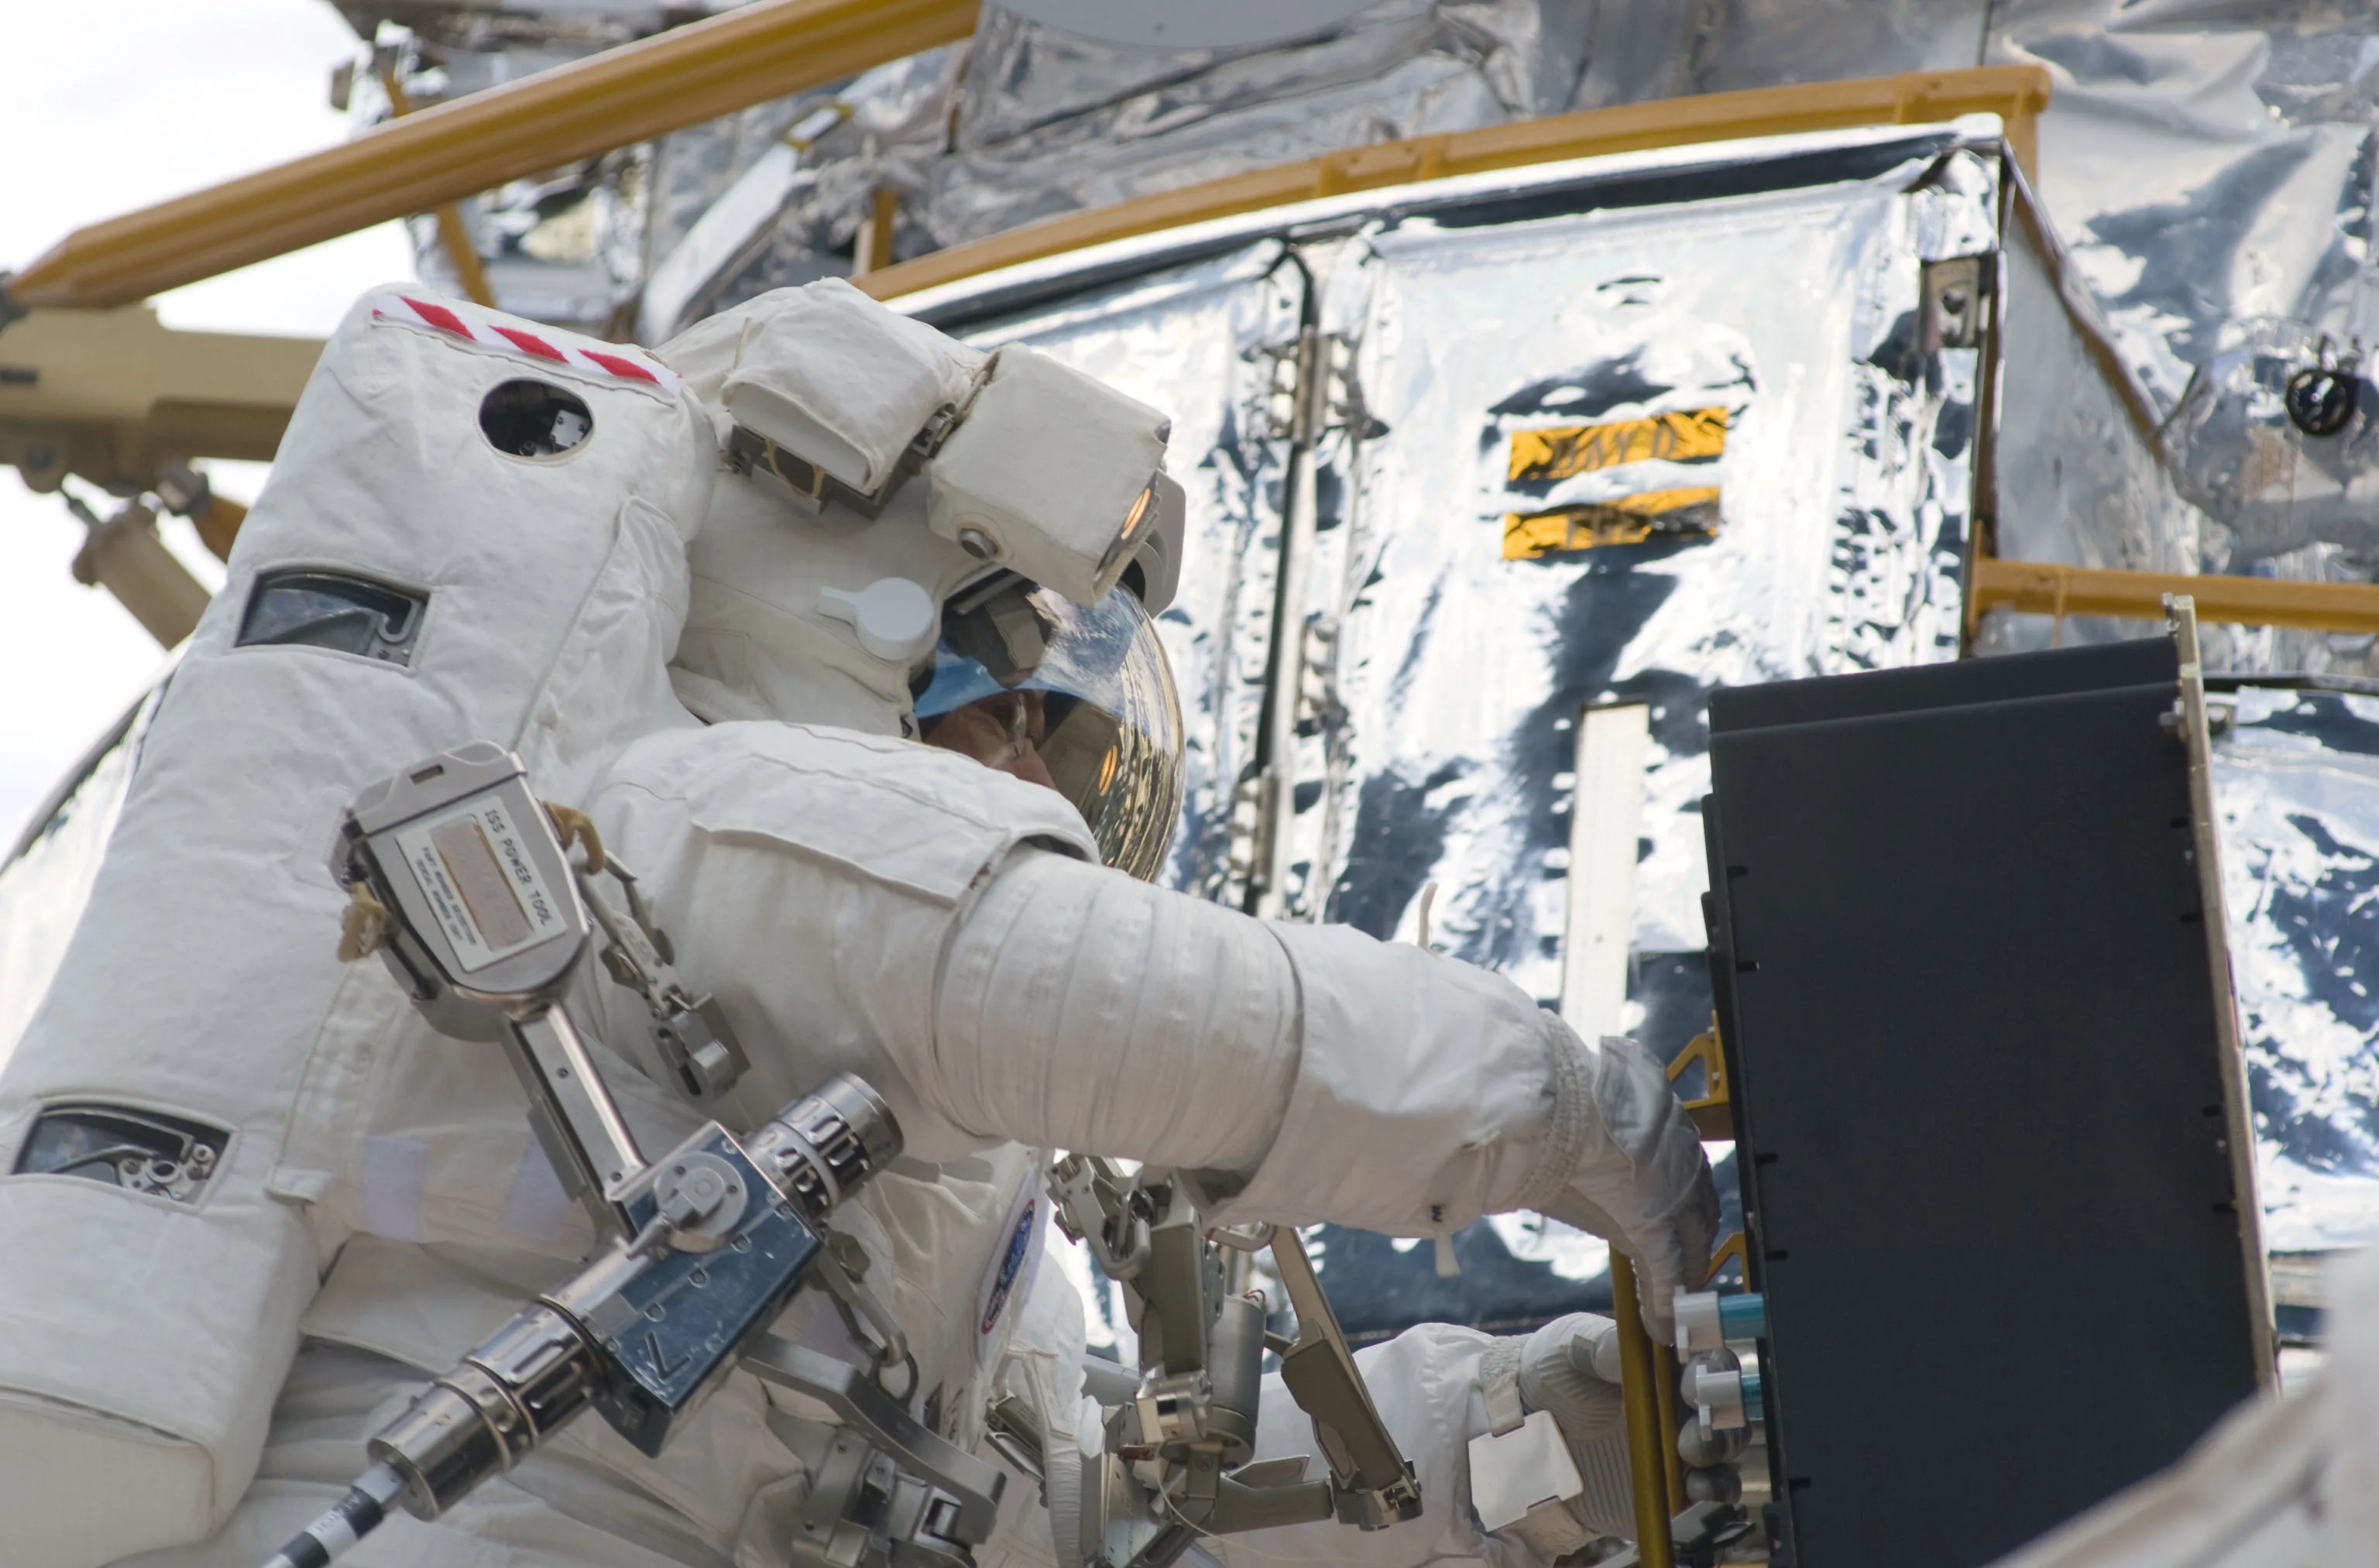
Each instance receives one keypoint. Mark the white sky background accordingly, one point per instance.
(107, 105)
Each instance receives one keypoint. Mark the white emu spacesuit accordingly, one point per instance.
(716, 598)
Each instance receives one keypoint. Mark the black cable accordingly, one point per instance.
(352, 1518)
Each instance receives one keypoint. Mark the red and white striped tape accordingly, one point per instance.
(525, 340)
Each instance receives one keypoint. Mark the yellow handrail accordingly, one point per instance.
(2016, 93)
(450, 151)
(2049, 588)
(729, 62)
(1648, 1443)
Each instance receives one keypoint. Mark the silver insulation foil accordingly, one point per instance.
(1025, 122)
(2203, 197)
(1047, 122)
(1022, 122)
(1837, 507)
(776, 196)
(2208, 160)
(565, 246)
(2208, 165)
(2297, 789)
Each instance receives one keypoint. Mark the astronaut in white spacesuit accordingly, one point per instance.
(910, 540)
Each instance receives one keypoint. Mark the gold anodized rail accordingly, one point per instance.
(728, 63)
(2016, 93)
(1648, 1437)
(2038, 588)
(583, 109)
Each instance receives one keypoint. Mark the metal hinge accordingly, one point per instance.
(1312, 389)
(1318, 706)
(1255, 818)
(1273, 413)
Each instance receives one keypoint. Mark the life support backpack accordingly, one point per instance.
(475, 530)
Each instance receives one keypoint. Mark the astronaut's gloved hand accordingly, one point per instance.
(1645, 1187)
(1569, 1370)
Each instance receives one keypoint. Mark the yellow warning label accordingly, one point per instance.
(1630, 520)
(1565, 450)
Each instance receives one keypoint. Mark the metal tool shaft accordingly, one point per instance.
(588, 1141)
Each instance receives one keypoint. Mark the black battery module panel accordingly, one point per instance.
(1972, 1020)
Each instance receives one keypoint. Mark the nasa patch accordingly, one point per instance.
(1012, 1267)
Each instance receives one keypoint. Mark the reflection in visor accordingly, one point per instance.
(1078, 699)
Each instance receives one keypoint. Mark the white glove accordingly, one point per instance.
(1645, 1186)
(1569, 1370)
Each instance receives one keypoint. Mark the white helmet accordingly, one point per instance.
(1001, 606)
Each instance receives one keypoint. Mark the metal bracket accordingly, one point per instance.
(2238, 1116)
(1174, 1464)
(1650, 1430)
(1319, 707)
(1956, 293)
(129, 1146)
(1375, 1482)
(576, 1119)
(1736, 1250)
(952, 1505)
(1714, 1112)
(1094, 1207)
(751, 454)
(838, 1270)
(1009, 1426)
(1276, 412)
(1311, 389)
(697, 1044)
(1255, 819)
(1700, 1533)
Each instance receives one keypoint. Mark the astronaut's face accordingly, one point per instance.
(1076, 698)
(1002, 732)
